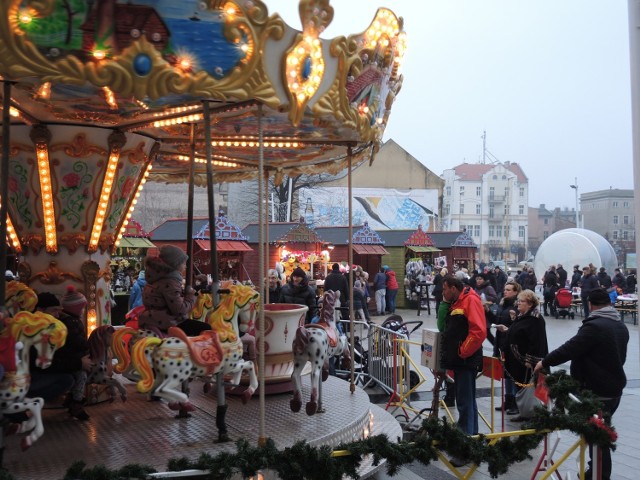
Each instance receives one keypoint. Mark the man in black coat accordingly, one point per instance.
(597, 353)
(562, 276)
(337, 282)
(575, 278)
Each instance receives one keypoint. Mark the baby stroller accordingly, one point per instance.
(562, 304)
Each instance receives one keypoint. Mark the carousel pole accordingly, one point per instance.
(262, 439)
(4, 195)
(352, 386)
(4, 184)
(192, 161)
(221, 409)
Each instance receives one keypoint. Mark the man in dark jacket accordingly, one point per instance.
(337, 282)
(562, 276)
(465, 329)
(588, 283)
(297, 290)
(575, 278)
(619, 281)
(501, 280)
(603, 278)
(597, 353)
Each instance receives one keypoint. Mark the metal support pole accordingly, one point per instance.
(262, 439)
(215, 281)
(352, 386)
(192, 161)
(4, 182)
(634, 50)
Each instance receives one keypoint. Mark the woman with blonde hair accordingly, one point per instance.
(526, 336)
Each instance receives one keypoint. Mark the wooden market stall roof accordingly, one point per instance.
(420, 242)
(229, 237)
(134, 236)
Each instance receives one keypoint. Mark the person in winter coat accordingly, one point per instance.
(529, 281)
(483, 287)
(166, 304)
(575, 278)
(297, 290)
(464, 331)
(337, 282)
(392, 289)
(603, 278)
(527, 335)
(438, 279)
(562, 276)
(597, 353)
(273, 285)
(549, 289)
(380, 289)
(505, 315)
(501, 280)
(588, 283)
(135, 297)
(360, 301)
(619, 281)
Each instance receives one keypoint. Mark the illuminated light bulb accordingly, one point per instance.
(230, 11)
(301, 97)
(99, 54)
(244, 48)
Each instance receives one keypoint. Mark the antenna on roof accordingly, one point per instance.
(484, 147)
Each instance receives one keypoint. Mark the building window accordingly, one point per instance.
(521, 210)
(478, 209)
(462, 190)
(625, 235)
(507, 209)
(522, 191)
(625, 204)
(462, 208)
(545, 234)
(476, 230)
(448, 190)
(498, 231)
(625, 220)
(492, 192)
(615, 219)
(506, 192)
(615, 204)
(492, 232)
(615, 234)
(546, 221)
(504, 177)
(491, 211)
(495, 177)
(507, 229)
(478, 191)
(447, 209)
(521, 231)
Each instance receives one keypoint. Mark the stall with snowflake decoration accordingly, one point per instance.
(463, 251)
(231, 246)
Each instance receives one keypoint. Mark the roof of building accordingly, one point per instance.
(176, 229)
(474, 171)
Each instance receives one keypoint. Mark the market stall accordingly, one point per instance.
(231, 247)
(463, 252)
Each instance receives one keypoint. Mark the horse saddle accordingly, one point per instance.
(332, 334)
(205, 349)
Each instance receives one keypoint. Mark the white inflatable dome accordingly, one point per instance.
(575, 246)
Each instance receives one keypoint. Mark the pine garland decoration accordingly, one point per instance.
(304, 461)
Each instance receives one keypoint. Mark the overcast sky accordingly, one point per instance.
(548, 80)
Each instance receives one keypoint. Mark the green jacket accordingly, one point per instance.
(443, 310)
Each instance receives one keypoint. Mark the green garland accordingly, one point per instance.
(303, 461)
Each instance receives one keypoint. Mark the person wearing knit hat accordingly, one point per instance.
(71, 363)
(166, 304)
(297, 290)
(73, 302)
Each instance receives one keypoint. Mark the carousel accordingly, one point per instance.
(101, 96)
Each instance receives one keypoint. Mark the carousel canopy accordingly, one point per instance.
(147, 66)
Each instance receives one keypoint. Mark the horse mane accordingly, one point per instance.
(328, 304)
(30, 324)
(19, 296)
(97, 342)
(221, 318)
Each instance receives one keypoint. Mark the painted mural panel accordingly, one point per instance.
(383, 208)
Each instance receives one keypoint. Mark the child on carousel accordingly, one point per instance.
(166, 303)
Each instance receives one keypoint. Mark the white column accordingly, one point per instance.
(634, 51)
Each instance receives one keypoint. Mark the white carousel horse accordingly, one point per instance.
(46, 334)
(164, 364)
(101, 367)
(316, 343)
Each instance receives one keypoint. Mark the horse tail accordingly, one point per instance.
(120, 350)
(142, 364)
(300, 341)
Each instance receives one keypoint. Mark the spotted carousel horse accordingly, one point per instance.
(101, 367)
(164, 364)
(316, 343)
(46, 334)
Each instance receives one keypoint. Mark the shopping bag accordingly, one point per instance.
(542, 390)
(526, 400)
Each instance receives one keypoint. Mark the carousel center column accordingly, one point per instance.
(71, 193)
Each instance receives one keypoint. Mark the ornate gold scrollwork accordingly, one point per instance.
(54, 276)
(90, 273)
(72, 241)
(24, 272)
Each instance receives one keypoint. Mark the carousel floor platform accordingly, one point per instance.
(144, 432)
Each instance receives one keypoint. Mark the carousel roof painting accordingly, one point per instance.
(149, 66)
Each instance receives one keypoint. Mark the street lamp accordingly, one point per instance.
(575, 187)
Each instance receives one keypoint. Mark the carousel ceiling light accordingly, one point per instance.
(48, 209)
(44, 91)
(25, 15)
(132, 206)
(110, 98)
(99, 54)
(103, 205)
